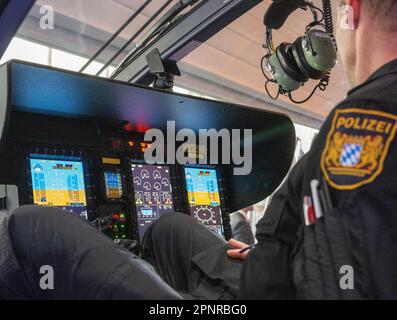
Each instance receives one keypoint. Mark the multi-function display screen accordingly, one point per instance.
(204, 199)
(113, 185)
(153, 194)
(59, 183)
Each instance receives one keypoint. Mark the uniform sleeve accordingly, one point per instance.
(266, 272)
(359, 164)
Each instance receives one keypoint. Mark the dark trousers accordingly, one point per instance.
(85, 263)
(190, 258)
(88, 265)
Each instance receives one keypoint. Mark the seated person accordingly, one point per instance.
(191, 259)
(86, 263)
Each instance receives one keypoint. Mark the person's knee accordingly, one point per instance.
(173, 221)
(175, 218)
(168, 226)
(29, 224)
(31, 218)
(32, 213)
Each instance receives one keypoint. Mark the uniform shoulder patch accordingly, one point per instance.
(356, 147)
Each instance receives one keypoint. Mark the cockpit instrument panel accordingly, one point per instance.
(204, 197)
(59, 182)
(152, 192)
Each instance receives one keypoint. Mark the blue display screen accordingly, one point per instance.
(204, 199)
(59, 183)
(113, 185)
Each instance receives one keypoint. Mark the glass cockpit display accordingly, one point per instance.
(59, 183)
(113, 185)
(204, 199)
(153, 193)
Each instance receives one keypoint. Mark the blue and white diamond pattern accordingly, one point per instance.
(351, 154)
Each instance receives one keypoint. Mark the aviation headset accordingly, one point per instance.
(311, 56)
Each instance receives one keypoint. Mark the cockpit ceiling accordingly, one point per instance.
(226, 66)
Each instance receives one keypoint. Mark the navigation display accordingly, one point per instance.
(113, 185)
(204, 200)
(153, 194)
(59, 183)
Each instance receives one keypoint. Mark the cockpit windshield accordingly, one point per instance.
(68, 33)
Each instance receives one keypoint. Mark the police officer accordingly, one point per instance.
(329, 233)
(348, 249)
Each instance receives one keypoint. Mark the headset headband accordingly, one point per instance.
(277, 15)
(279, 11)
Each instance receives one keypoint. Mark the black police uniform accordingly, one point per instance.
(351, 251)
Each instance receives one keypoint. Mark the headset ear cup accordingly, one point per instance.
(281, 73)
(287, 62)
(303, 65)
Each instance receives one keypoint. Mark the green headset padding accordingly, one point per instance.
(315, 53)
(284, 52)
(287, 77)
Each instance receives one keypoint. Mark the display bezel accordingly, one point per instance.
(132, 188)
(105, 185)
(63, 154)
(221, 189)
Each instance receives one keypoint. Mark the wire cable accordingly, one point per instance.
(160, 28)
(268, 91)
(263, 69)
(322, 86)
(122, 28)
(158, 12)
